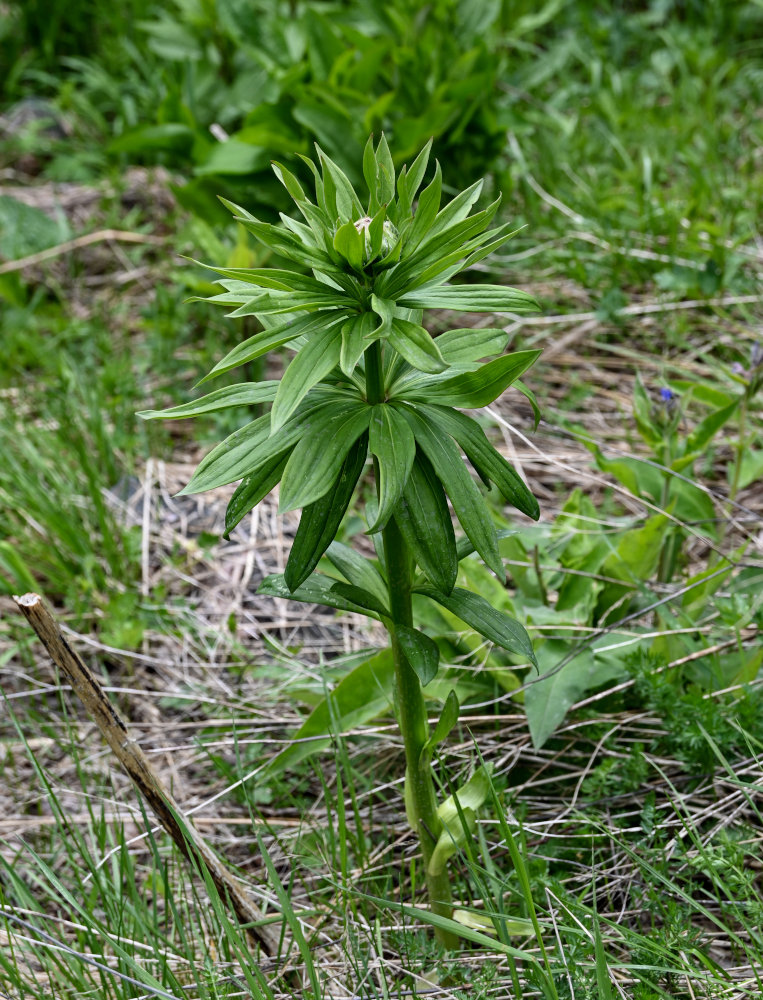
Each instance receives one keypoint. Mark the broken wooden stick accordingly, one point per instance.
(138, 767)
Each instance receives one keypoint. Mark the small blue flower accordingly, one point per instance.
(667, 395)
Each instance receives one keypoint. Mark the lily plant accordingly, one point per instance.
(368, 393)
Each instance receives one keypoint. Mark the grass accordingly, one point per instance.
(620, 859)
(656, 867)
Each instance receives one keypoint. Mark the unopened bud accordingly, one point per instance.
(388, 240)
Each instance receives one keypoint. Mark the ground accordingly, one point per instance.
(614, 816)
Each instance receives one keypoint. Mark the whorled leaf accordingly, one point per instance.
(321, 519)
(468, 503)
(423, 518)
(314, 464)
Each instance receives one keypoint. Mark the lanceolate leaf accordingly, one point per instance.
(385, 310)
(530, 397)
(243, 394)
(376, 233)
(446, 722)
(437, 254)
(248, 448)
(707, 428)
(471, 298)
(249, 280)
(363, 598)
(313, 363)
(483, 618)
(473, 390)
(426, 211)
(464, 494)
(358, 570)
(320, 520)
(272, 302)
(424, 521)
(268, 340)
(455, 255)
(386, 172)
(252, 489)
(456, 210)
(347, 202)
(489, 242)
(415, 175)
(460, 347)
(230, 460)
(287, 245)
(420, 651)
(355, 334)
(319, 192)
(290, 182)
(319, 589)
(350, 244)
(488, 462)
(417, 347)
(392, 441)
(306, 236)
(370, 175)
(314, 464)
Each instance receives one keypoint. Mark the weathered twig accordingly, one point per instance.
(114, 235)
(138, 767)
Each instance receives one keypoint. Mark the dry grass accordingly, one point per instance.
(218, 680)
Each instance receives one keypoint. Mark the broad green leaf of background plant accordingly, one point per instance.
(25, 229)
(459, 818)
(548, 699)
(358, 698)
(634, 560)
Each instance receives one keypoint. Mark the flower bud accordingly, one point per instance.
(388, 240)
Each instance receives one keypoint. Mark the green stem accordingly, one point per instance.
(421, 803)
(740, 449)
(374, 373)
(666, 565)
